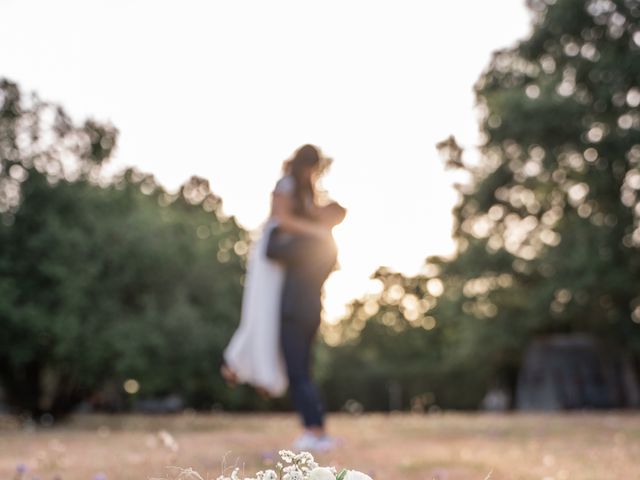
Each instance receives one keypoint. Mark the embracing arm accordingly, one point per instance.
(282, 209)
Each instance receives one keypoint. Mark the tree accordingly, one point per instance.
(548, 227)
(553, 205)
(104, 281)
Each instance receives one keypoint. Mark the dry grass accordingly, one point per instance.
(408, 447)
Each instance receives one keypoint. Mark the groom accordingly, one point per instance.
(309, 260)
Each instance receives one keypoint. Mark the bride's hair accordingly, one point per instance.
(304, 157)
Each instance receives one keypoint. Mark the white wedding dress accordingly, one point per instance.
(254, 353)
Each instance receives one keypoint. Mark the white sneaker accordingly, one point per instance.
(326, 443)
(305, 442)
(308, 442)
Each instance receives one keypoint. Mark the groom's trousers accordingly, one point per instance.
(297, 334)
(312, 260)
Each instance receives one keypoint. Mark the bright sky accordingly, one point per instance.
(228, 89)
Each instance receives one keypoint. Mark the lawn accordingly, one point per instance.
(449, 446)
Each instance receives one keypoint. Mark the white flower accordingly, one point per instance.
(287, 455)
(294, 475)
(321, 473)
(300, 466)
(303, 458)
(270, 475)
(356, 475)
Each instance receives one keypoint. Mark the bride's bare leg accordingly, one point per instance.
(228, 375)
(262, 392)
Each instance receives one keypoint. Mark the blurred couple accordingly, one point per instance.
(281, 305)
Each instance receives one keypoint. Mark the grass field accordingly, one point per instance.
(397, 446)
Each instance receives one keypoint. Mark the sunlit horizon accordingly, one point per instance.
(228, 90)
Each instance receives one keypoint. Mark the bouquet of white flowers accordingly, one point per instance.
(300, 466)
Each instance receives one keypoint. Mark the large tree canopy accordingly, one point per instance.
(102, 281)
(548, 223)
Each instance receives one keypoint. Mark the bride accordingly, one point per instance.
(254, 355)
